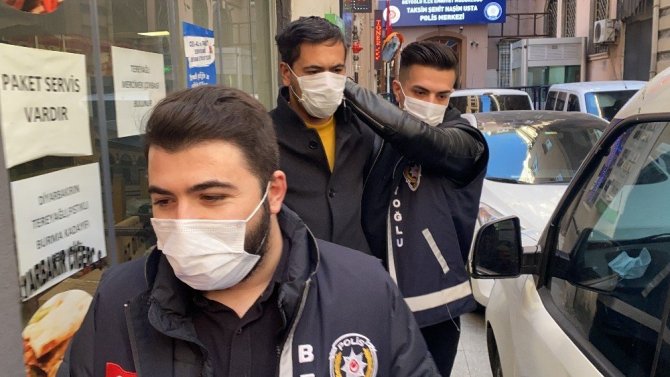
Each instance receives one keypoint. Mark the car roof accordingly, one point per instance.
(479, 92)
(494, 121)
(599, 86)
(653, 98)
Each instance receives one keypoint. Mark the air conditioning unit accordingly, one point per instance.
(604, 31)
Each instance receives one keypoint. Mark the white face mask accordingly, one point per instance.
(430, 113)
(322, 93)
(207, 255)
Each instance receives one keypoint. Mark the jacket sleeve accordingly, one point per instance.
(411, 357)
(453, 147)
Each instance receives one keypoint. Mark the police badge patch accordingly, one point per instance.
(353, 355)
(412, 176)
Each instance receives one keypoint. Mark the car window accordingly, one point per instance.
(538, 154)
(513, 102)
(560, 101)
(551, 101)
(461, 103)
(609, 271)
(607, 104)
(491, 102)
(487, 104)
(573, 103)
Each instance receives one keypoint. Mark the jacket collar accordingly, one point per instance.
(170, 298)
(290, 117)
(291, 128)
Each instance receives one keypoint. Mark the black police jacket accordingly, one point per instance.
(336, 302)
(420, 203)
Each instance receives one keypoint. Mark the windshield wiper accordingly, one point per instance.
(506, 180)
(652, 238)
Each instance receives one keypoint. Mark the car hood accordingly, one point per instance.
(533, 204)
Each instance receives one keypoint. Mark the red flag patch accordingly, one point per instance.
(113, 370)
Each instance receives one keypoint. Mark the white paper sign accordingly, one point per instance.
(199, 51)
(139, 83)
(43, 104)
(58, 224)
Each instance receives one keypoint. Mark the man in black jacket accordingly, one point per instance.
(421, 199)
(324, 147)
(238, 285)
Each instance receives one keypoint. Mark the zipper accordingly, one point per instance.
(133, 345)
(374, 162)
(131, 335)
(362, 113)
(289, 338)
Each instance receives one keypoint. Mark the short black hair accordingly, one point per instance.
(430, 54)
(206, 113)
(306, 30)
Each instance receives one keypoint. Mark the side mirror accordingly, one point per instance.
(497, 251)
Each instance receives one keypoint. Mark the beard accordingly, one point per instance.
(256, 239)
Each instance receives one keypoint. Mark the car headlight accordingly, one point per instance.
(487, 213)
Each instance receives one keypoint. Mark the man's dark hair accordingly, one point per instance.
(207, 113)
(430, 54)
(306, 30)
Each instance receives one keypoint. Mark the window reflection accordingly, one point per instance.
(611, 267)
(34, 6)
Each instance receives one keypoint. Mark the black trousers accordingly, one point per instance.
(442, 340)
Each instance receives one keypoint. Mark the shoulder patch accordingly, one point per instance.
(353, 355)
(114, 370)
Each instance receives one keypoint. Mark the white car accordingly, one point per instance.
(532, 157)
(592, 297)
(494, 99)
(600, 98)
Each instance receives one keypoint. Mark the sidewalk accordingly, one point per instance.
(472, 359)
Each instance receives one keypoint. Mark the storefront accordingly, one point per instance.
(77, 80)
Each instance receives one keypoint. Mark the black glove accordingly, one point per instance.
(452, 147)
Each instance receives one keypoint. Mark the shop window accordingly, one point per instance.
(34, 6)
(245, 35)
(129, 73)
(200, 13)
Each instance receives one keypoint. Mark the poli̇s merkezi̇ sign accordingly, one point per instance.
(444, 12)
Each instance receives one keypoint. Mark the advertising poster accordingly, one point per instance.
(43, 104)
(50, 330)
(444, 12)
(200, 55)
(58, 225)
(139, 83)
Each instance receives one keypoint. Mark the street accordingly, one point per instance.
(472, 359)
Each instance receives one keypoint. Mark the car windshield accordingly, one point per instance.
(491, 102)
(538, 155)
(607, 104)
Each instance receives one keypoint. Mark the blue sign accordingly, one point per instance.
(200, 55)
(444, 12)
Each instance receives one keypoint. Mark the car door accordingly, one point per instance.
(606, 281)
(594, 297)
